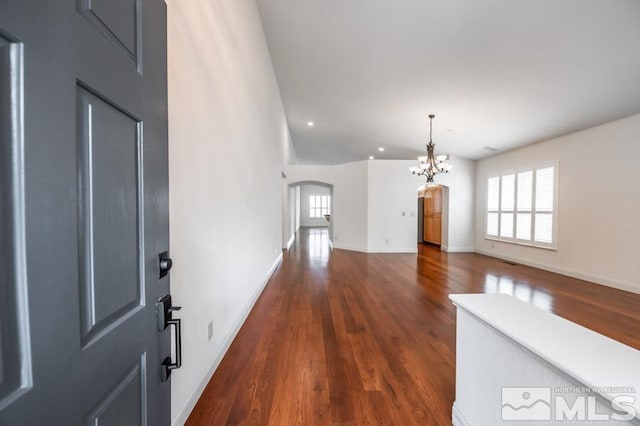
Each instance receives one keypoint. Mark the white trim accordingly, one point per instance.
(368, 250)
(291, 240)
(458, 249)
(458, 418)
(330, 244)
(597, 279)
(351, 248)
(186, 409)
(394, 250)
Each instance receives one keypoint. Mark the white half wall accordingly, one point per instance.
(598, 204)
(228, 144)
(305, 192)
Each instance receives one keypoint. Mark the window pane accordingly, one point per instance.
(329, 202)
(492, 224)
(525, 185)
(508, 186)
(312, 212)
(312, 201)
(493, 191)
(544, 228)
(506, 225)
(523, 226)
(544, 189)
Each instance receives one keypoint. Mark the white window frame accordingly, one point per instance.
(531, 243)
(324, 208)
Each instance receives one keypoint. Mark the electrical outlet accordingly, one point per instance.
(386, 240)
(210, 329)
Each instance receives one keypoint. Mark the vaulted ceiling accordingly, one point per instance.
(497, 73)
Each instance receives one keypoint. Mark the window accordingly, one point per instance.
(521, 206)
(319, 205)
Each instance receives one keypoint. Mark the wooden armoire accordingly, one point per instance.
(432, 215)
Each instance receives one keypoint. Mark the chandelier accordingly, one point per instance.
(431, 164)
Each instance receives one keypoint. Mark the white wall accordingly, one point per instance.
(349, 219)
(296, 222)
(598, 204)
(305, 192)
(370, 197)
(291, 215)
(393, 191)
(286, 231)
(461, 186)
(392, 206)
(228, 142)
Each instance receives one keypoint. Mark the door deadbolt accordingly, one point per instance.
(165, 264)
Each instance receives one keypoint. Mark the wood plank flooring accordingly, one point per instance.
(347, 338)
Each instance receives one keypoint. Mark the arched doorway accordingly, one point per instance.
(304, 212)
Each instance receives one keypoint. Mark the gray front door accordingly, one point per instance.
(84, 212)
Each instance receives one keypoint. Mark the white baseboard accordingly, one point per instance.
(291, 240)
(458, 249)
(458, 418)
(186, 409)
(394, 250)
(351, 248)
(609, 282)
(367, 250)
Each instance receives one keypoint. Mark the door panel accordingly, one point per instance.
(111, 278)
(124, 404)
(437, 228)
(15, 365)
(437, 200)
(119, 20)
(84, 192)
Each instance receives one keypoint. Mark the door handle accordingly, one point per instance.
(164, 312)
(167, 364)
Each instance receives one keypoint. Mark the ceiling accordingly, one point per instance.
(496, 73)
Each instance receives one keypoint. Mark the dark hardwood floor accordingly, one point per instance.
(346, 338)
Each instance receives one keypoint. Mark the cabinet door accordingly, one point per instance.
(436, 228)
(428, 232)
(437, 200)
(428, 203)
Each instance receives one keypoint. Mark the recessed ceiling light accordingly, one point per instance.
(310, 123)
(371, 157)
(381, 149)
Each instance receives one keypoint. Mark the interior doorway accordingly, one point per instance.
(433, 215)
(311, 205)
